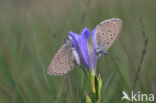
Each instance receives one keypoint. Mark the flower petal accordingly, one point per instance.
(94, 49)
(76, 45)
(80, 43)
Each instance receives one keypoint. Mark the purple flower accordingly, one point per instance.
(84, 48)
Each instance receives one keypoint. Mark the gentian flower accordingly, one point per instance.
(84, 44)
(85, 47)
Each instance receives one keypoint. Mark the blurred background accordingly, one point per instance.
(32, 31)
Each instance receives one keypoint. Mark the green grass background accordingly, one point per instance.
(27, 45)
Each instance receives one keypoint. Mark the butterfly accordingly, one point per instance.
(64, 59)
(105, 34)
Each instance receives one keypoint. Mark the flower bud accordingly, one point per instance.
(88, 100)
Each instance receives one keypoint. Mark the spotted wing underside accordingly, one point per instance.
(62, 62)
(106, 33)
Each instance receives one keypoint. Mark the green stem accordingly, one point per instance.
(92, 81)
(96, 86)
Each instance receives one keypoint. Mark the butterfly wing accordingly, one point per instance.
(106, 33)
(62, 62)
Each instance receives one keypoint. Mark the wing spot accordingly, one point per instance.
(111, 38)
(109, 31)
(107, 42)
